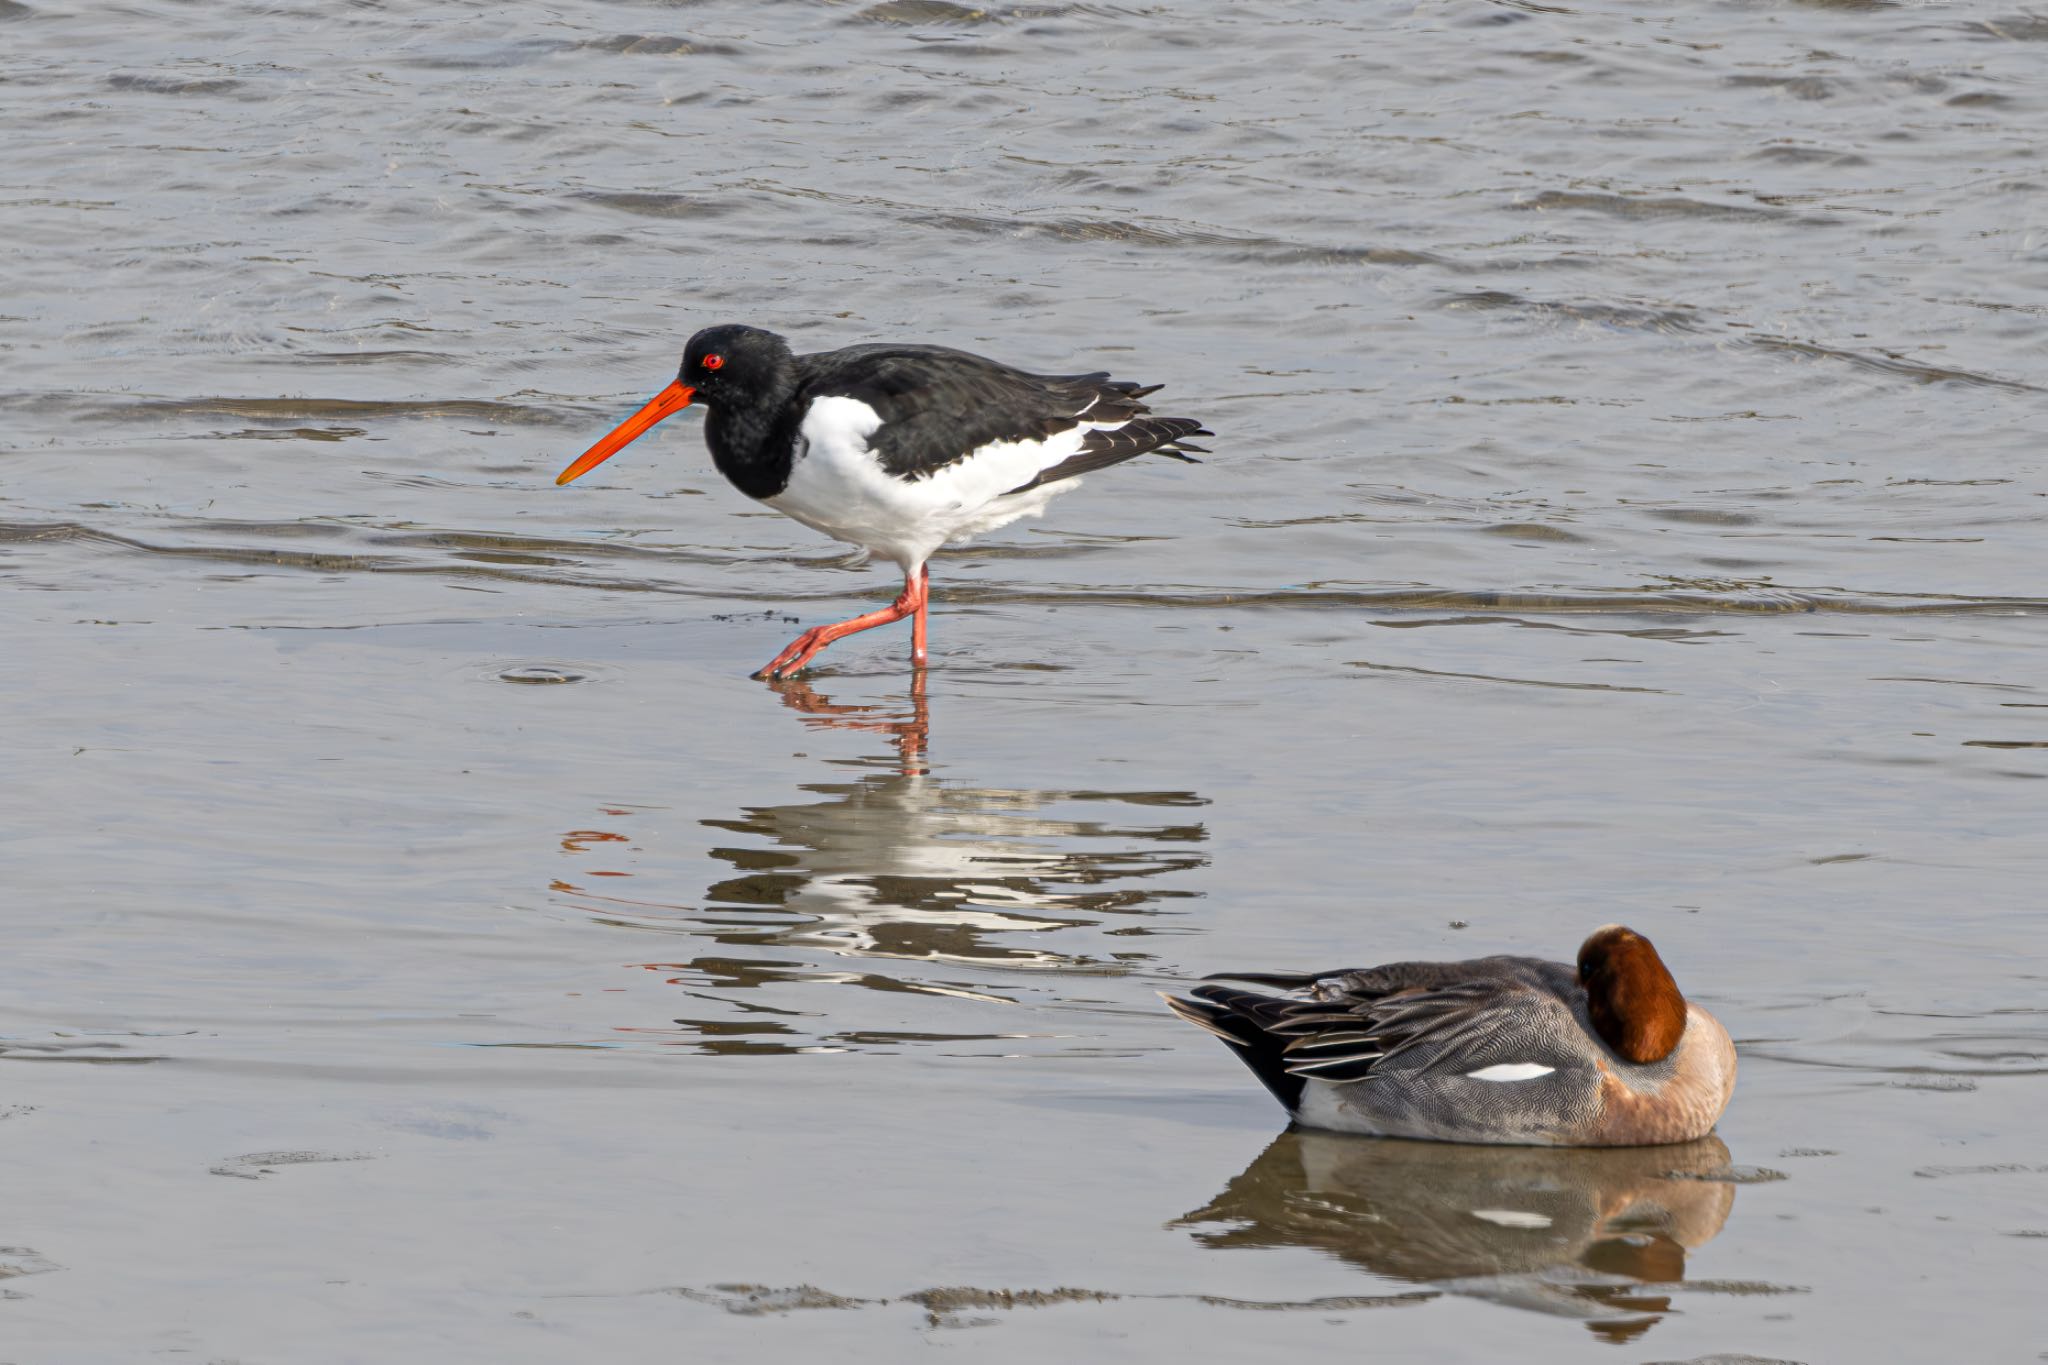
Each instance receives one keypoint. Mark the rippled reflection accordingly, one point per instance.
(913, 885)
(1598, 1235)
(909, 731)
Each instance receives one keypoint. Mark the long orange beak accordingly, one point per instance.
(669, 401)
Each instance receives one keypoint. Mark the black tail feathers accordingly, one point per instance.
(1238, 1018)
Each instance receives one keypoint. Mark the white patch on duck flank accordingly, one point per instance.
(838, 486)
(1512, 1218)
(1510, 1071)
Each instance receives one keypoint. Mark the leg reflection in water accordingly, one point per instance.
(968, 914)
(909, 732)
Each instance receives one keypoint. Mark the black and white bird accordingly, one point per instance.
(898, 449)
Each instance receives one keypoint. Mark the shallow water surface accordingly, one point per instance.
(1627, 504)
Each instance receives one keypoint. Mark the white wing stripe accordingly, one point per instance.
(1510, 1071)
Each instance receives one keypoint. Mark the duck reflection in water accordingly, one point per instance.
(947, 901)
(1586, 1233)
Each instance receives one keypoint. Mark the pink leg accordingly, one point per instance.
(805, 647)
(917, 624)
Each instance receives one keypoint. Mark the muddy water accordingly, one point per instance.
(424, 942)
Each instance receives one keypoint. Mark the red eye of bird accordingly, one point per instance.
(712, 362)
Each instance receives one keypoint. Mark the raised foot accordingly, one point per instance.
(796, 654)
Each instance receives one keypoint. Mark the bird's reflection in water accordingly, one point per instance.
(1587, 1233)
(913, 885)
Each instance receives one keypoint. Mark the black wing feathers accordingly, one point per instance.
(1104, 448)
(938, 405)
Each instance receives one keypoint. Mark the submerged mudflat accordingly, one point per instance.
(423, 940)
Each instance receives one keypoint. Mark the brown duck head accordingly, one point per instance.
(1635, 1006)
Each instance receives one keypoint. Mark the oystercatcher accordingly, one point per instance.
(896, 449)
